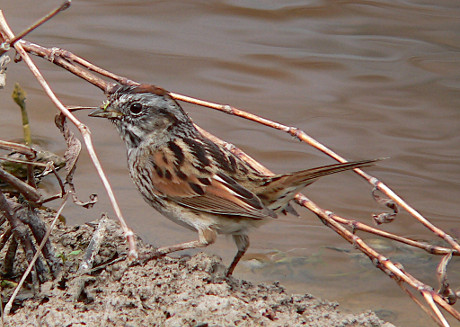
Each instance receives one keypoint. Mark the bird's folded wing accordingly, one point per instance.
(217, 194)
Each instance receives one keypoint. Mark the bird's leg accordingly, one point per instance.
(242, 243)
(205, 237)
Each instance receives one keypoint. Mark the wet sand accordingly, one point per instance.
(186, 291)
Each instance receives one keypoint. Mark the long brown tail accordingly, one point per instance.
(306, 177)
(280, 189)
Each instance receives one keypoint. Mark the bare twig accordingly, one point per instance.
(429, 299)
(41, 21)
(10, 254)
(24, 162)
(57, 56)
(94, 245)
(71, 156)
(35, 257)
(29, 215)
(24, 149)
(29, 192)
(444, 289)
(81, 127)
(420, 304)
(385, 189)
(356, 225)
(20, 231)
(449, 308)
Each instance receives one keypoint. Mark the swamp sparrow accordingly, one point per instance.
(194, 181)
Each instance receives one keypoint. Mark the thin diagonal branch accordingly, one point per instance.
(419, 303)
(304, 137)
(429, 299)
(356, 225)
(391, 269)
(62, 7)
(25, 189)
(81, 127)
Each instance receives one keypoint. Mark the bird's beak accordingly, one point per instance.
(106, 112)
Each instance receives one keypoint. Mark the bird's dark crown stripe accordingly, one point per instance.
(149, 88)
(142, 88)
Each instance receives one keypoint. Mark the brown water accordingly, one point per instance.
(367, 78)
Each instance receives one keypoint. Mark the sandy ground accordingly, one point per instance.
(187, 291)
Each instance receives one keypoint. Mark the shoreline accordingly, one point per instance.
(185, 291)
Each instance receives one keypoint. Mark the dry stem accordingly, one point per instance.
(35, 257)
(8, 34)
(302, 136)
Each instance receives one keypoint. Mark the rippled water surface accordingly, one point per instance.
(367, 78)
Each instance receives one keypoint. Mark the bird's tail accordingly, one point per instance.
(282, 188)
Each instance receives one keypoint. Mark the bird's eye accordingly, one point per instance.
(135, 108)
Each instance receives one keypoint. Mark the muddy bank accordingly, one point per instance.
(187, 291)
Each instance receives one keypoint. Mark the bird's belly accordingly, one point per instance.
(175, 213)
(195, 220)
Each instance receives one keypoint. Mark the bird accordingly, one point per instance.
(193, 181)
